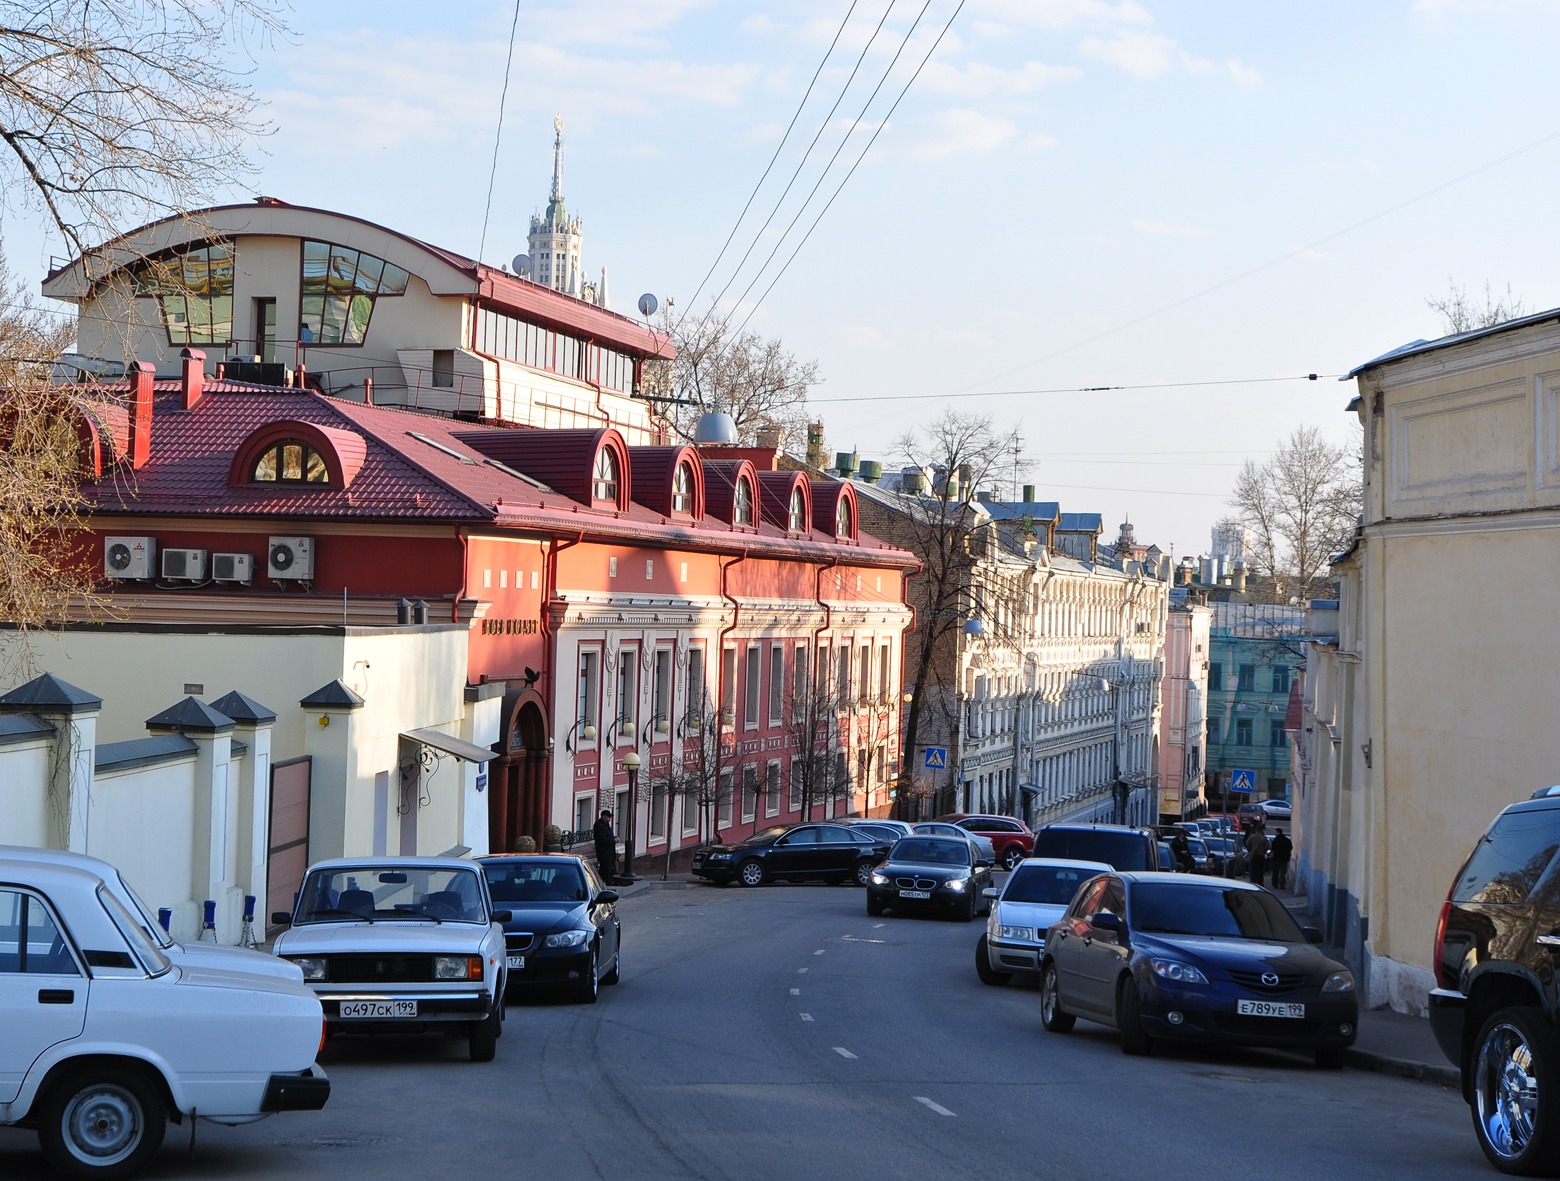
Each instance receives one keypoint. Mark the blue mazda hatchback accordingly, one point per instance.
(1160, 955)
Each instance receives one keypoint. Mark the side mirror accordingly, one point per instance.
(984, 863)
(1106, 921)
(1312, 934)
(990, 892)
(502, 916)
(607, 896)
(281, 918)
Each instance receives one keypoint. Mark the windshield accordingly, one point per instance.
(535, 881)
(1121, 848)
(1050, 884)
(931, 851)
(371, 893)
(766, 836)
(149, 953)
(1174, 909)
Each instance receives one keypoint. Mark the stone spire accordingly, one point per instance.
(555, 212)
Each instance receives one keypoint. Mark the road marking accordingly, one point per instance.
(796, 992)
(818, 952)
(805, 1016)
(843, 1052)
(878, 926)
(937, 1107)
(799, 971)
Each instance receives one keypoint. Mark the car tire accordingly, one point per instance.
(863, 873)
(589, 987)
(751, 873)
(107, 1123)
(966, 913)
(616, 974)
(1129, 1020)
(874, 907)
(482, 1041)
(1514, 1091)
(1051, 1014)
(1329, 1058)
(983, 968)
(1011, 856)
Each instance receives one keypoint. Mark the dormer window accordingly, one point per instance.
(744, 513)
(682, 489)
(604, 480)
(842, 527)
(798, 515)
(290, 462)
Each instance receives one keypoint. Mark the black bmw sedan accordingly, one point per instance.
(795, 853)
(942, 874)
(1162, 955)
(563, 928)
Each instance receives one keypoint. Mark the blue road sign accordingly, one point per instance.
(937, 758)
(1242, 783)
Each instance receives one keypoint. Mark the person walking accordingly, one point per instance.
(606, 846)
(1283, 850)
(1256, 853)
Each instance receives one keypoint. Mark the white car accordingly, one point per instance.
(103, 1038)
(1035, 896)
(401, 945)
(938, 828)
(1276, 809)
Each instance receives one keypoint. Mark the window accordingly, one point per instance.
(842, 677)
(883, 671)
(696, 686)
(659, 790)
(727, 781)
(584, 806)
(799, 676)
(661, 695)
(750, 697)
(772, 789)
(339, 290)
(749, 792)
(30, 941)
(728, 687)
(776, 682)
(1281, 678)
(1215, 676)
(290, 462)
(1277, 789)
(794, 801)
(1276, 735)
(866, 675)
(589, 691)
(842, 518)
(604, 480)
(798, 514)
(744, 503)
(1246, 678)
(682, 489)
(444, 368)
(265, 329)
(194, 292)
(1242, 731)
(628, 692)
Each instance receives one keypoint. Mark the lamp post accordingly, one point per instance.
(631, 765)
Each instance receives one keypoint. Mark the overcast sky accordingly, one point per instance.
(1202, 201)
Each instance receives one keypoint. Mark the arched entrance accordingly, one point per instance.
(517, 804)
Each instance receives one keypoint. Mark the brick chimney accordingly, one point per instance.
(141, 373)
(192, 375)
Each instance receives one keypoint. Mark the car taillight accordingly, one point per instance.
(323, 1029)
(1440, 942)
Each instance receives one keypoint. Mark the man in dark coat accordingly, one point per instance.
(1256, 852)
(1283, 850)
(606, 845)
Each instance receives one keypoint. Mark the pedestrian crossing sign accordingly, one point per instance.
(1243, 782)
(936, 758)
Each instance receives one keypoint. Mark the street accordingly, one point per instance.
(781, 1033)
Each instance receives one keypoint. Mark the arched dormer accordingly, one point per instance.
(669, 480)
(785, 501)
(590, 466)
(731, 492)
(835, 510)
(301, 454)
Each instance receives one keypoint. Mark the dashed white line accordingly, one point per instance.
(937, 1107)
(805, 1016)
(875, 926)
(796, 992)
(818, 952)
(799, 971)
(843, 1052)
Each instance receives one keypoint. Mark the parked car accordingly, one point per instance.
(887, 830)
(936, 828)
(1276, 809)
(1226, 857)
(1037, 894)
(103, 1038)
(1011, 839)
(1166, 857)
(1199, 851)
(1202, 959)
(1117, 845)
(933, 874)
(401, 945)
(1250, 814)
(793, 853)
(1496, 1004)
(563, 928)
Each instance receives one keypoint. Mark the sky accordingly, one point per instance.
(1129, 230)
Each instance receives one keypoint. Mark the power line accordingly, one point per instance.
(498, 134)
(1079, 389)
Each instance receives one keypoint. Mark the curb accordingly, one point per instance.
(1441, 1076)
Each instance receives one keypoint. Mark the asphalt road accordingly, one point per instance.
(781, 1033)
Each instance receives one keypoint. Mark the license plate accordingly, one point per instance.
(516, 961)
(1269, 1009)
(915, 893)
(379, 1008)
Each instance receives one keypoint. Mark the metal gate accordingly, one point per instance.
(288, 855)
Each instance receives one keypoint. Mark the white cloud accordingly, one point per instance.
(1142, 55)
(759, 25)
(978, 80)
(1242, 74)
(608, 22)
(1165, 229)
(864, 336)
(1059, 14)
(1437, 10)
(958, 131)
(969, 338)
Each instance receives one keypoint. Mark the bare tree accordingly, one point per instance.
(753, 379)
(1302, 506)
(813, 725)
(1462, 314)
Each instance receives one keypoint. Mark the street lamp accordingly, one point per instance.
(631, 765)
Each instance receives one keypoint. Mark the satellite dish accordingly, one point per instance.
(521, 264)
(647, 305)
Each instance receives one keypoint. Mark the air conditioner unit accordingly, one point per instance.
(188, 564)
(129, 557)
(233, 567)
(290, 557)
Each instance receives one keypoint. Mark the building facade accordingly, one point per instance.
(1254, 652)
(1183, 718)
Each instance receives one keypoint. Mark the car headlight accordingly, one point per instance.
(1339, 982)
(720, 856)
(568, 938)
(958, 885)
(312, 967)
(880, 879)
(1177, 971)
(457, 967)
(1018, 934)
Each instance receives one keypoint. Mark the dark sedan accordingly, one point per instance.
(931, 873)
(795, 853)
(563, 928)
(1203, 959)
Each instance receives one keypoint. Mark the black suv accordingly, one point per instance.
(1496, 1009)
(1116, 845)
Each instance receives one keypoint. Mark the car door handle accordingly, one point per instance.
(56, 996)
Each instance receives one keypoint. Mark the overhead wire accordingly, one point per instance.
(498, 134)
(1077, 389)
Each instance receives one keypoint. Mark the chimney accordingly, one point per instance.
(141, 373)
(192, 375)
(1239, 577)
(368, 391)
(1029, 494)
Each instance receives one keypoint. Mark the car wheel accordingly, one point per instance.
(1011, 857)
(1051, 1015)
(616, 974)
(966, 913)
(863, 872)
(751, 873)
(874, 907)
(1129, 1020)
(482, 1041)
(1329, 1058)
(106, 1123)
(589, 986)
(1515, 1090)
(983, 968)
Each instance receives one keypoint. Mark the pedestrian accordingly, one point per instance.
(1256, 850)
(1182, 853)
(1283, 850)
(606, 846)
